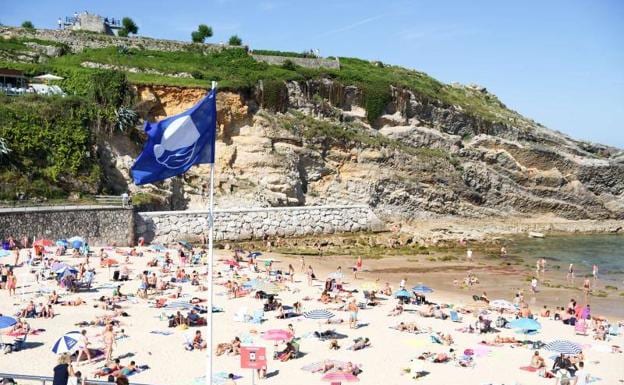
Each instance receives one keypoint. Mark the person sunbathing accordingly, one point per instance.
(505, 340)
(360, 343)
(236, 344)
(446, 339)
(407, 327)
(537, 361)
(223, 348)
(54, 298)
(398, 310)
(287, 353)
(428, 312)
(111, 367)
(21, 327)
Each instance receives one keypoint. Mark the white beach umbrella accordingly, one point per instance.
(68, 343)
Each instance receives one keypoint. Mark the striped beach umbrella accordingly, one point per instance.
(68, 343)
(319, 314)
(563, 346)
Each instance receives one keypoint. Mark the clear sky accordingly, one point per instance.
(560, 62)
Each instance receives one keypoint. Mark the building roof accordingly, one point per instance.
(11, 72)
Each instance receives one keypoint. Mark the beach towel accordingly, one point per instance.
(161, 332)
(528, 369)
(139, 369)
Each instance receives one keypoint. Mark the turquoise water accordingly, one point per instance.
(604, 250)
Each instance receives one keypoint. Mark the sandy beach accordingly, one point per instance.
(165, 360)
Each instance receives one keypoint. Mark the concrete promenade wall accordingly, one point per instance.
(99, 225)
(243, 224)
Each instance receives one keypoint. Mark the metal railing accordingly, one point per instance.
(43, 379)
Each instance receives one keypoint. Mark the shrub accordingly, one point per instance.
(197, 75)
(28, 25)
(203, 32)
(289, 65)
(235, 40)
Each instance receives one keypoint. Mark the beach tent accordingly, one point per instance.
(68, 343)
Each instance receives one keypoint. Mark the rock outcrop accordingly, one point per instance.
(420, 159)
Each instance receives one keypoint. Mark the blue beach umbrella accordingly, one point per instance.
(67, 343)
(422, 289)
(403, 294)
(255, 254)
(6, 322)
(61, 270)
(76, 242)
(525, 324)
(62, 243)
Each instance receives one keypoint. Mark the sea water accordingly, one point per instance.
(604, 250)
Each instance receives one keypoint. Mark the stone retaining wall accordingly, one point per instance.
(242, 224)
(300, 61)
(99, 225)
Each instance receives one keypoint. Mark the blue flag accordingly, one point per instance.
(176, 143)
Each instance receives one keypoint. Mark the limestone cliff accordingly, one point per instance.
(420, 159)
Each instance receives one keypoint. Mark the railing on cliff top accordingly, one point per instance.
(43, 380)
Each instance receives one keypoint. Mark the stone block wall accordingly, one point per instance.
(243, 224)
(300, 61)
(99, 225)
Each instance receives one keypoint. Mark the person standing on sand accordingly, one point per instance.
(11, 282)
(109, 340)
(543, 265)
(310, 275)
(595, 272)
(534, 285)
(503, 252)
(353, 312)
(586, 288)
(402, 284)
(469, 254)
(83, 346)
(302, 263)
(538, 267)
(358, 266)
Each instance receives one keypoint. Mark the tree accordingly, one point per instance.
(28, 25)
(203, 32)
(128, 27)
(235, 40)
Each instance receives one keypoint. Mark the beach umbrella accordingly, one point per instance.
(186, 244)
(43, 242)
(157, 247)
(321, 365)
(76, 242)
(339, 377)
(4, 253)
(525, 324)
(6, 322)
(277, 335)
(48, 77)
(68, 343)
(109, 262)
(268, 287)
(502, 304)
(62, 243)
(422, 289)
(563, 346)
(370, 286)
(65, 268)
(403, 294)
(319, 314)
(255, 254)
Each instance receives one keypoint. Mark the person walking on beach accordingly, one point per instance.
(538, 267)
(358, 266)
(570, 276)
(291, 272)
(469, 254)
(595, 272)
(586, 288)
(543, 264)
(310, 275)
(83, 346)
(402, 284)
(534, 285)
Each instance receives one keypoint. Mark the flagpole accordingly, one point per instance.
(210, 264)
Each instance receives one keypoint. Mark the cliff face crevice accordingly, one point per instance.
(310, 143)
